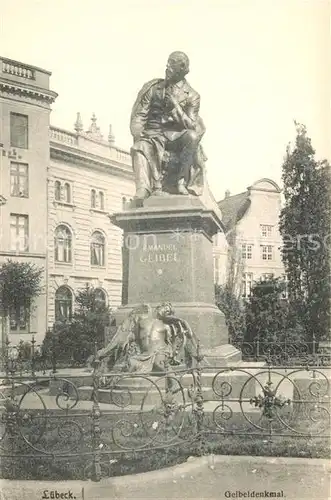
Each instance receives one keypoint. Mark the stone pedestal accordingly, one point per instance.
(167, 257)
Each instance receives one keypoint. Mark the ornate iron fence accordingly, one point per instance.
(26, 357)
(86, 425)
(284, 352)
(30, 357)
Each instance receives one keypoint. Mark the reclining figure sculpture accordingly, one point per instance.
(146, 341)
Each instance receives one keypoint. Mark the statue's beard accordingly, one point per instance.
(174, 77)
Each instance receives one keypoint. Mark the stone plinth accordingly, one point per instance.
(167, 257)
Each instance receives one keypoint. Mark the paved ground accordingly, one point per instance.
(212, 477)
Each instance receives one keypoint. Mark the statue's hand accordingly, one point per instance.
(173, 101)
(170, 100)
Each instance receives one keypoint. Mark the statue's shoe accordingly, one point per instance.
(182, 189)
(141, 194)
(159, 192)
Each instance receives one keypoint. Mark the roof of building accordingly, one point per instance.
(234, 207)
(265, 184)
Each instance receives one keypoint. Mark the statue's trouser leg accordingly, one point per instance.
(147, 155)
(142, 174)
(186, 147)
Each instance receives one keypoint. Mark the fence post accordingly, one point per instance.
(168, 381)
(314, 345)
(96, 430)
(53, 352)
(167, 401)
(257, 349)
(315, 356)
(33, 342)
(7, 342)
(20, 357)
(199, 410)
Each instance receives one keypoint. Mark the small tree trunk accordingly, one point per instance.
(4, 325)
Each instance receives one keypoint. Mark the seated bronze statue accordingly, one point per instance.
(166, 127)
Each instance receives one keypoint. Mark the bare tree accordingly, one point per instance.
(228, 295)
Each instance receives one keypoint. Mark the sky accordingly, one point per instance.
(258, 65)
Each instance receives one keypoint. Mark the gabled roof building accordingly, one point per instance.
(251, 224)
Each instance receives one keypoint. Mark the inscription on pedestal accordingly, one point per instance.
(159, 253)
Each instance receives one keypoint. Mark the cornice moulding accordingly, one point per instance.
(71, 155)
(24, 90)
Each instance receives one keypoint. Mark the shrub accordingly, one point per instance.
(233, 311)
(73, 342)
(266, 311)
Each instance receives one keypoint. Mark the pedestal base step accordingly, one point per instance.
(221, 356)
(218, 385)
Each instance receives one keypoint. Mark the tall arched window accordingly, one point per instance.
(63, 244)
(67, 193)
(98, 249)
(101, 200)
(93, 198)
(63, 304)
(100, 297)
(57, 189)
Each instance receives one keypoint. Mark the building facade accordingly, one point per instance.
(88, 179)
(59, 187)
(252, 236)
(25, 100)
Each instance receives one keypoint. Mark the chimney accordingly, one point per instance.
(227, 194)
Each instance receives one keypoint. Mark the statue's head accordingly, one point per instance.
(178, 66)
(164, 309)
